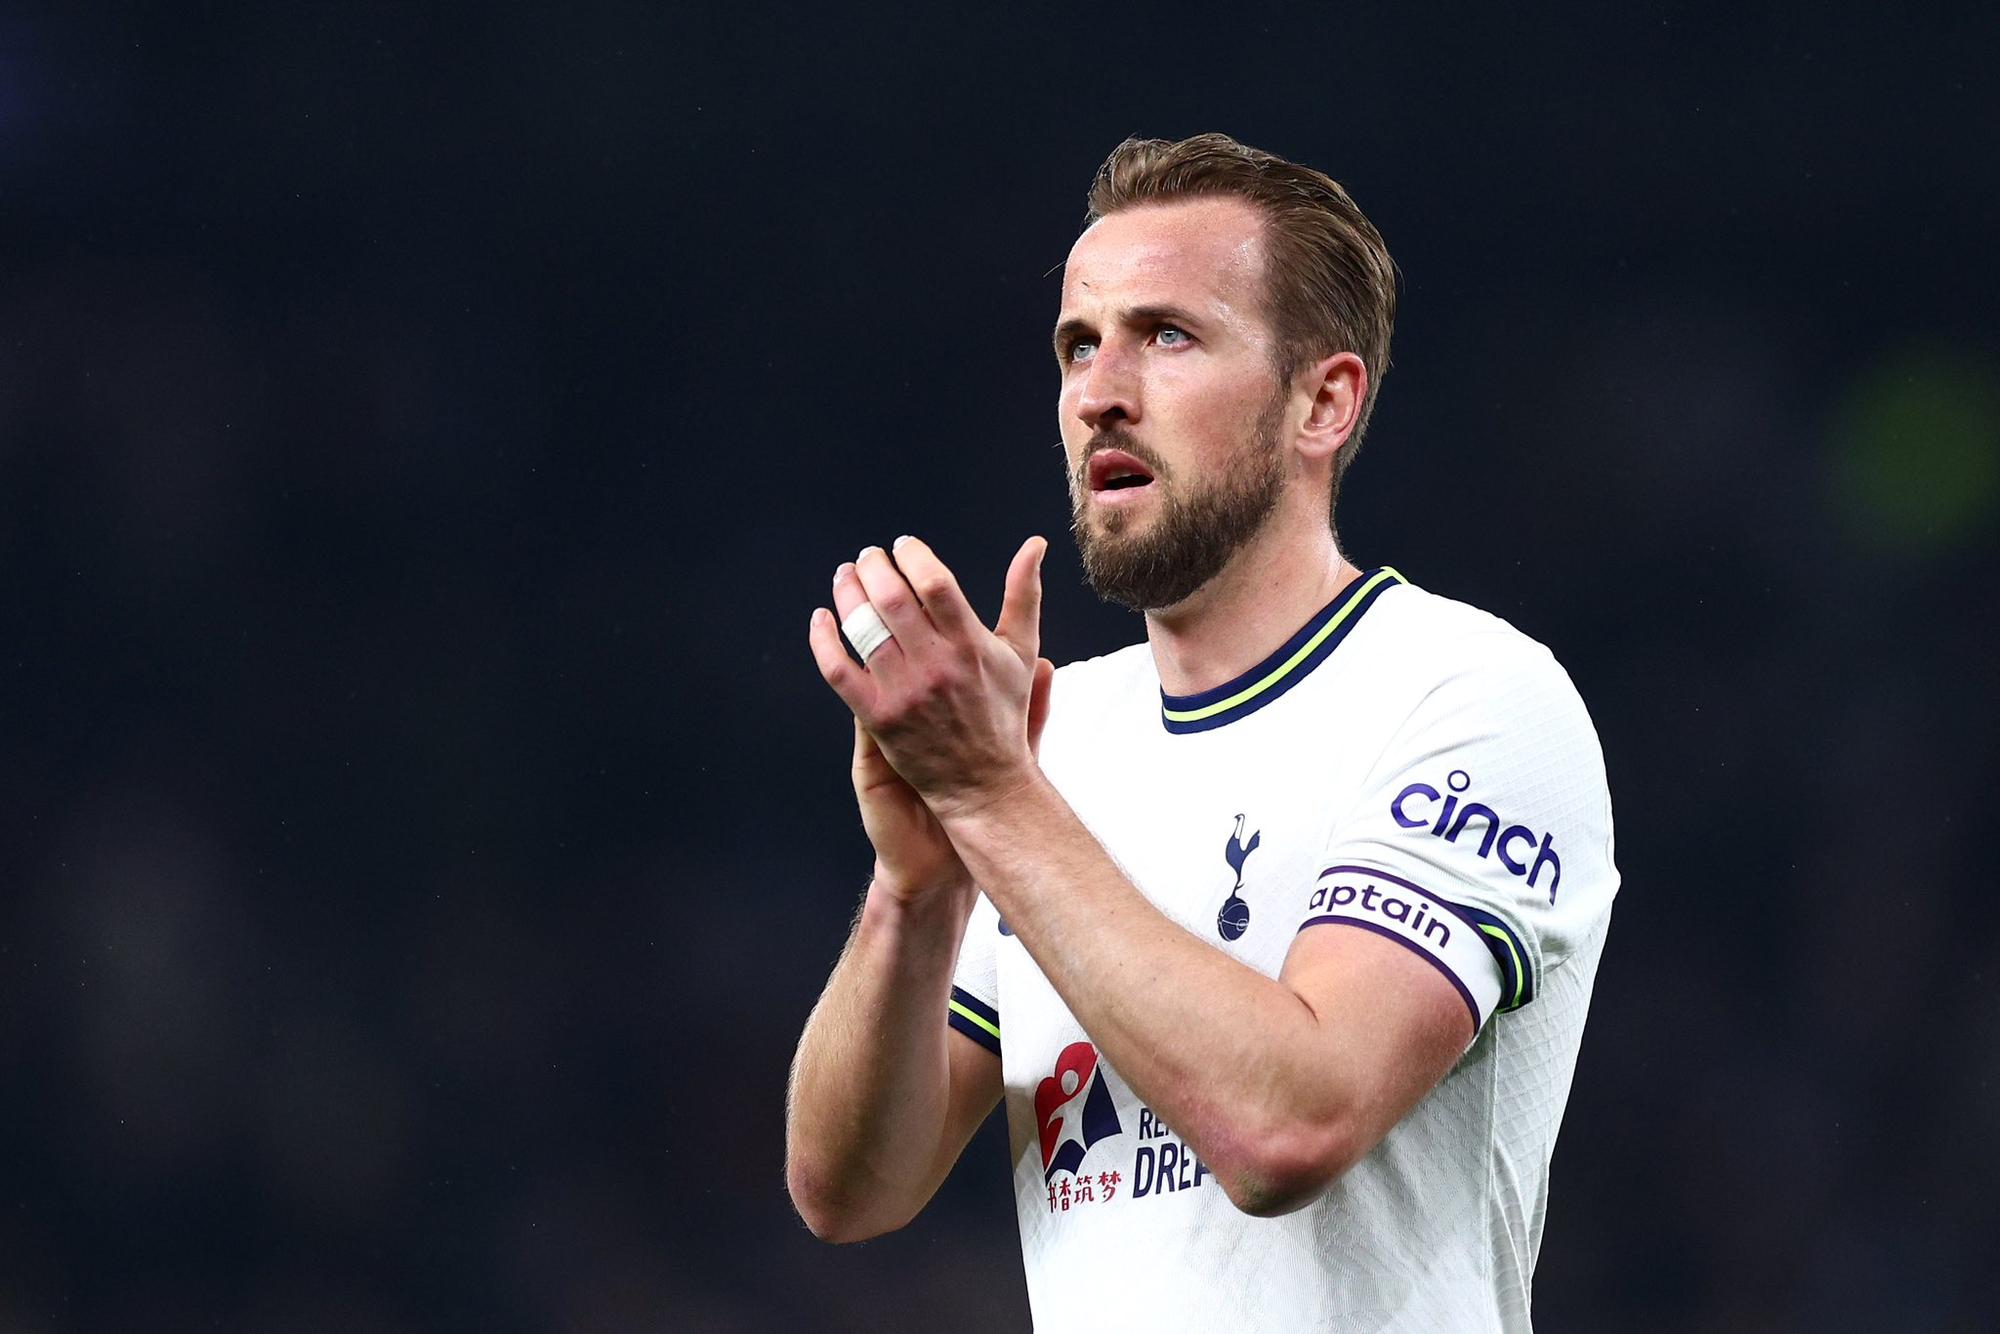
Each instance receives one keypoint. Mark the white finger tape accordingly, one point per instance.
(864, 629)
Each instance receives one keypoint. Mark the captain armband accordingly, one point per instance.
(1480, 955)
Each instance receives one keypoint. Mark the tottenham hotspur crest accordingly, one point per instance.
(1234, 919)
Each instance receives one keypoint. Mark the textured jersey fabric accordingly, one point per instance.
(1406, 765)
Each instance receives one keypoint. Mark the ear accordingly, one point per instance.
(1338, 385)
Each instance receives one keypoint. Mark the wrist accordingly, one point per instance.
(915, 934)
(994, 800)
(951, 888)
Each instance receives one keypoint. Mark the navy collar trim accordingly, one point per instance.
(1291, 664)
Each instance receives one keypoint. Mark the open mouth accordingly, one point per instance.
(1115, 470)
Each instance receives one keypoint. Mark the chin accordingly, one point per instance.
(1120, 521)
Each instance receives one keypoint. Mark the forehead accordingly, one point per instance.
(1207, 252)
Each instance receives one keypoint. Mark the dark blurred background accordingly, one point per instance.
(424, 432)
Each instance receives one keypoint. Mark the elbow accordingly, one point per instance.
(826, 1221)
(828, 1212)
(834, 1228)
(819, 1207)
(1285, 1170)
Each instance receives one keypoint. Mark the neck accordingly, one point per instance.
(1268, 590)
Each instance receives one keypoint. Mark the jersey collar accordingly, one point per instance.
(1291, 664)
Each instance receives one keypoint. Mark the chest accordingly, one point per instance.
(1224, 832)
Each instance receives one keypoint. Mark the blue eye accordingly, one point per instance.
(1169, 336)
(1083, 349)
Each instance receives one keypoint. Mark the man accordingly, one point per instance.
(1276, 932)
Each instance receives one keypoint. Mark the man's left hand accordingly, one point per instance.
(955, 707)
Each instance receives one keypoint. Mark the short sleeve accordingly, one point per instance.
(974, 1008)
(1482, 840)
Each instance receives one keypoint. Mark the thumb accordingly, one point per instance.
(1020, 622)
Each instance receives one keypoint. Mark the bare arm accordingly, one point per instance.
(884, 1096)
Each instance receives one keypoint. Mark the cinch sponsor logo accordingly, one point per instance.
(1445, 814)
(1413, 913)
(1074, 1109)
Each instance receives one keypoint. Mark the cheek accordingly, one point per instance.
(1228, 410)
(1214, 417)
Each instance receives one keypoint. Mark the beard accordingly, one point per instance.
(1198, 529)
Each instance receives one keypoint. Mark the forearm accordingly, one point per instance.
(872, 1082)
(1233, 1060)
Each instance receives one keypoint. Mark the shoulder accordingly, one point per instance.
(1447, 678)
(1418, 620)
(1429, 642)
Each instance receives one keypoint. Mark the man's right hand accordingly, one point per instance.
(913, 857)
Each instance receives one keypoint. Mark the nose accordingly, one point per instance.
(1108, 389)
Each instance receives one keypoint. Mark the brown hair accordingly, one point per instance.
(1329, 282)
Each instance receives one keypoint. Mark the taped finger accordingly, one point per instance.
(864, 629)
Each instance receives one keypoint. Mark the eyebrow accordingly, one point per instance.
(1159, 315)
(1067, 332)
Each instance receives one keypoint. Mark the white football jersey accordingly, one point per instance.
(1405, 765)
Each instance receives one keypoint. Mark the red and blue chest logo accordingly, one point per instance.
(1074, 1108)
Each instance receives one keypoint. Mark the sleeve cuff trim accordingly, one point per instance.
(974, 1018)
